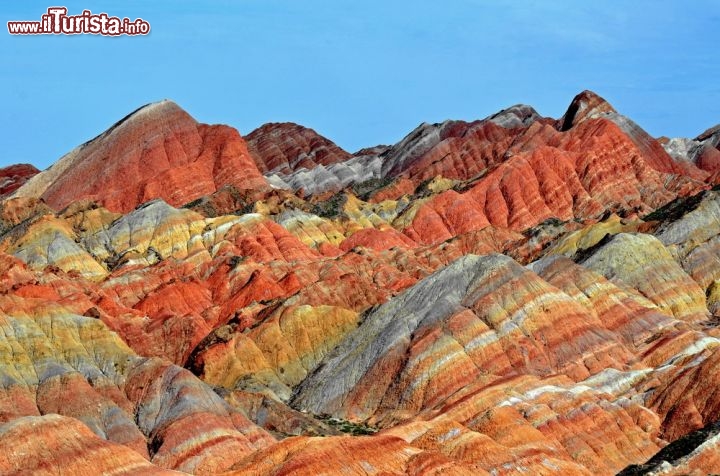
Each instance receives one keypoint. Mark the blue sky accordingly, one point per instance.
(360, 73)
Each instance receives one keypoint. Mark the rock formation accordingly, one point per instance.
(512, 295)
(14, 177)
(287, 147)
(158, 151)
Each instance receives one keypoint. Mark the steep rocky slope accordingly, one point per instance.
(514, 295)
(158, 151)
(703, 151)
(286, 147)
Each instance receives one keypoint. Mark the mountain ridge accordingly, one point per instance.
(510, 295)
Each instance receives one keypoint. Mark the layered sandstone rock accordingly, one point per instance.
(287, 147)
(295, 157)
(158, 151)
(43, 445)
(481, 316)
(515, 295)
(695, 454)
(592, 168)
(58, 362)
(14, 177)
(703, 151)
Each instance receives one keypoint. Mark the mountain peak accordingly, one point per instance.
(285, 147)
(586, 105)
(713, 134)
(156, 151)
(154, 111)
(519, 115)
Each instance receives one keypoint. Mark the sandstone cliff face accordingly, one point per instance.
(514, 295)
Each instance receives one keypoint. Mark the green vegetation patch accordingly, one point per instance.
(364, 190)
(331, 208)
(350, 428)
(676, 209)
(674, 451)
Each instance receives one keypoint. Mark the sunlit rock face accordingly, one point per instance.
(512, 295)
(158, 151)
(703, 151)
(286, 147)
(297, 158)
(102, 405)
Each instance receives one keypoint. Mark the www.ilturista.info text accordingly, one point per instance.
(57, 22)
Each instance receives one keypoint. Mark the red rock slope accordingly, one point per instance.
(158, 151)
(14, 176)
(286, 147)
